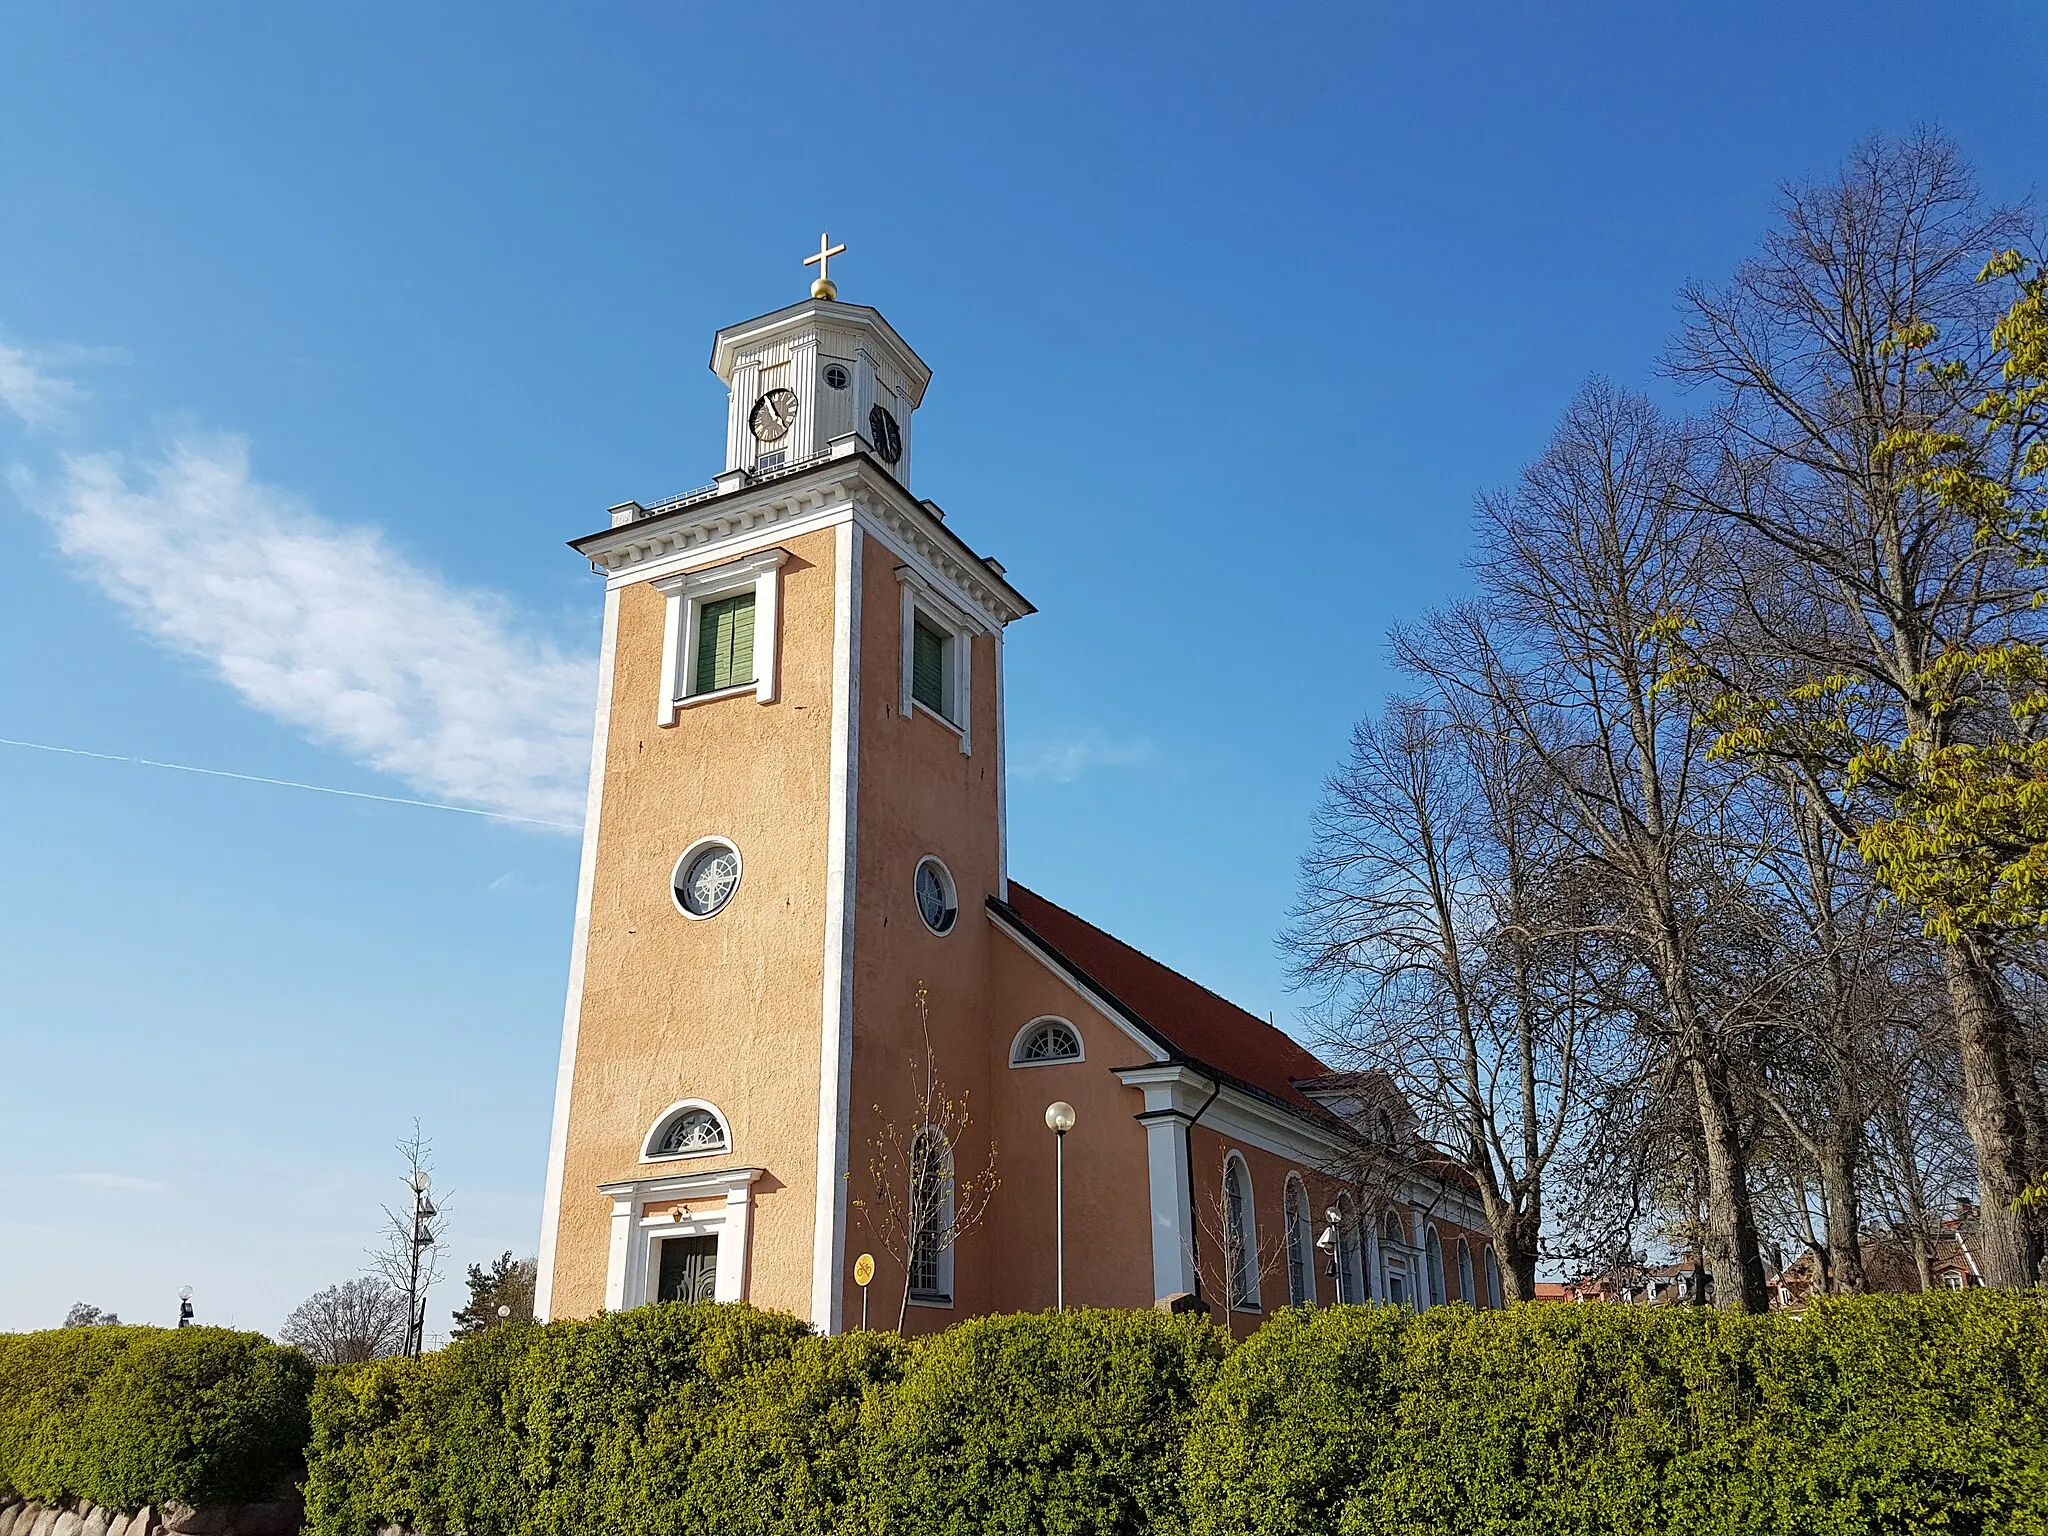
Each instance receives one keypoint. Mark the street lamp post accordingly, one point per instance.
(1059, 1119)
(184, 1306)
(422, 1237)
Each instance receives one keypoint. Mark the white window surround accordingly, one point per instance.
(689, 855)
(634, 1263)
(1301, 1241)
(687, 593)
(655, 1132)
(920, 600)
(1044, 1019)
(1248, 1264)
(952, 894)
(942, 1296)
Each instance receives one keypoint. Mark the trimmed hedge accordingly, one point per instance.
(131, 1416)
(1879, 1414)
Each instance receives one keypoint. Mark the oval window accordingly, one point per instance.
(706, 876)
(937, 902)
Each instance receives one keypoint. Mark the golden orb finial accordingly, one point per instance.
(824, 287)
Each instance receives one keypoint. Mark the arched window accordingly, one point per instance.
(931, 1210)
(689, 1128)
(1492, 1279)
(1466, 1293)
(1433, 1257)
(1350, 1253)
(1240, 1235)
(1044, 1041)
(1394, 1260)
(1301, 1275)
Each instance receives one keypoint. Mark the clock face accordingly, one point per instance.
(885, 435)
(774, 414)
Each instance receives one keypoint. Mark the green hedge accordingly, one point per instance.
(133, 1416)
(1881, 1414)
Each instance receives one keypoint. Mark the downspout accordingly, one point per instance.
(1194, 1209)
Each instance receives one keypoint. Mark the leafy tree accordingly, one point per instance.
(507, 1283)
(84, 1314)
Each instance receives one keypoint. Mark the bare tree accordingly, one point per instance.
(1230, 1259)
(919, 1206)
(1579, 562)
(409, 1257)
(1860, 321)
(360, 1319)
(1435, 921)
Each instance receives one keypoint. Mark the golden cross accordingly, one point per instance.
(824, 287)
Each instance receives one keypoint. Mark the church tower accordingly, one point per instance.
(796, 798)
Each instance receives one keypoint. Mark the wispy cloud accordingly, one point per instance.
(31, 391)
(121, 1181)
(1073, 757)
(328, 628)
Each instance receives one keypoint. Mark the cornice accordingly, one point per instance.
(727, 519)
(731, 343)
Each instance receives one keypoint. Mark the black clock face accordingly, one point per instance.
(774, 414)
(885, 435)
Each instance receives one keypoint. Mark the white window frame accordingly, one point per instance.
(920, 601)
(1017, 1043)
(687, 593)
(688, 858)
(943, 1297)
(648, 1152)
(1253, 1301)
(1301, 1241)
(633, 1265)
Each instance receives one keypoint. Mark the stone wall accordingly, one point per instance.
(78, 1517)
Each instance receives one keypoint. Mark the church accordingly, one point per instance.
(819, 1045)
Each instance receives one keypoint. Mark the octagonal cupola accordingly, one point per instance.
(816, 374)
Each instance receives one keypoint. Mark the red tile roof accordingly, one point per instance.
(1188, 1019)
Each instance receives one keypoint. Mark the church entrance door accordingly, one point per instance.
(689, 1269)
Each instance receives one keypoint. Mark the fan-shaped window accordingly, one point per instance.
(1433, 1255)
(1044, 1041)
(688, 1129)
(1240, 1234)
(1301, 1276)
(1466, 1291)
(1350, 1253)
(1492, 1279)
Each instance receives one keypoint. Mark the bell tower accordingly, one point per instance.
(816, 373)
(795, 821)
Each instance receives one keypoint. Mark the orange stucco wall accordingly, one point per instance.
(727, 1010)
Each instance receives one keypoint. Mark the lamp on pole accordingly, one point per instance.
(1059, 1119)
(422, 1237)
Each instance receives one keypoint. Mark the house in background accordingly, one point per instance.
(795, 906)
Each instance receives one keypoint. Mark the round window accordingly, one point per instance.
(706, 876)
(936, 902)
(836, 375)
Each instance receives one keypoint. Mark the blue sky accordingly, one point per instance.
(322, 328)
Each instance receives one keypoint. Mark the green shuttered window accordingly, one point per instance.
(928, 669)
(725, 644)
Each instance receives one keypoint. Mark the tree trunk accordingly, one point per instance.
(1514, 1242)
(2009, 1248)
(1838, 1148)
(1731, 1249)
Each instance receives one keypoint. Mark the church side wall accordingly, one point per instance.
(1109, 1210)
(726, 1009)
(918, 794)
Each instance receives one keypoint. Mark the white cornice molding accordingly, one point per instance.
(730, 346)
(726, 526)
